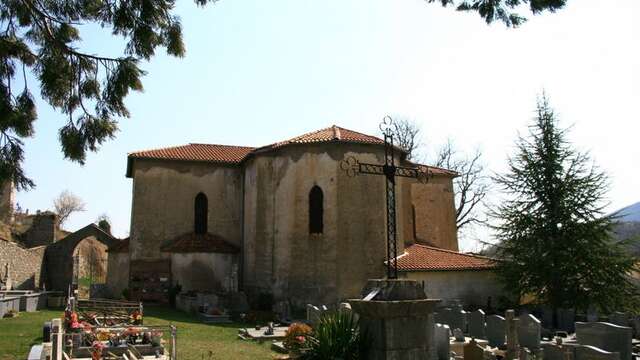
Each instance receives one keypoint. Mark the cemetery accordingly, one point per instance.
(238, 223)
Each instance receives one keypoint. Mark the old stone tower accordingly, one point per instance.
(282, 219)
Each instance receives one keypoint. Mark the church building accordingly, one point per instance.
(283, 219)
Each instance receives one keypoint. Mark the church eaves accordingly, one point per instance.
(235, 155)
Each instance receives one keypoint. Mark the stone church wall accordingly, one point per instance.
(281, 257)
(435, 213)
(163, 203)
(203, 271)
(472, 288)
(117, 273)
(24, 264)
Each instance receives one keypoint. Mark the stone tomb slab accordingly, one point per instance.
(529, 329)
(605, 336)
(454, 317)
(477, 324)
(458, 346)
(496, 330)
(619, 318)
(442, 337)
(473, 351)
(587, 352)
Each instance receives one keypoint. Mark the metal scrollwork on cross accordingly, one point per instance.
(352, 167)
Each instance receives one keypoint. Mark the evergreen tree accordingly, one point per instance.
(43, 37)
(555, 240)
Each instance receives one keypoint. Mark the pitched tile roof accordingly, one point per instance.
(197, 152)
(333, 133)
(234, 155)
(428, 258)
(200, 243)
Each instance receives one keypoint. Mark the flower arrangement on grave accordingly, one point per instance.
(71, 322)
(295, 338)
(136, 317)
(96, 350)
(103, 335)
(131, 334)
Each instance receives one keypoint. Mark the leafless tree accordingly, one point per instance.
(470, 188)
(66, 204)
(405, 133)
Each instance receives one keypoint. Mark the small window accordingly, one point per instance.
(201, 214)
(316, 210)
(413, 215)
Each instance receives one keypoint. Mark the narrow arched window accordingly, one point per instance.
(316, 209)
(413, 215)
(201, 208)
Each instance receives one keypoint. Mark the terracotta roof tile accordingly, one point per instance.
(198, 152)
(333, 133)
(427, 258)
(228, 154)
(201, 243)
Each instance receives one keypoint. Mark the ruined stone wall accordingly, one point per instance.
(435, 212)
(24, 264)
(42, 230)
(281, 257)
(163, 203)
(473, 287)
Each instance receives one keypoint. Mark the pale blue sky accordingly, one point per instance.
(259, 71)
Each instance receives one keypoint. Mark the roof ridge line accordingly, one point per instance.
(453, 252)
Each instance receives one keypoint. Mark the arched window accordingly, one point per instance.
(316, 209)
(413, 215)
(201, 208)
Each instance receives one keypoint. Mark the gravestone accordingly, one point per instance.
(608, 337)
(313, 313)
(587, 352)
(619, 318)
(546, 317)
(442, 336)
(529, 329)
(552, 351)
(495, 330)
(566, 320)
(513, 347)
(635, 325)
(458, 335)
(473, 351)
(456, 318)
(476, 324)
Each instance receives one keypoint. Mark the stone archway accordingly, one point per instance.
(89, 265)
(60, 257)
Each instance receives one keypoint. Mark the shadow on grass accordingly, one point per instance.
(174, 315)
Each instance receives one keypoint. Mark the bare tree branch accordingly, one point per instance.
(470, 188)
(66, 204)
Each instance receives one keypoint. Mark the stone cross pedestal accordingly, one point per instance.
(394, 313)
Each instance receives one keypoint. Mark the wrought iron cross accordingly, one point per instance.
(353, 168)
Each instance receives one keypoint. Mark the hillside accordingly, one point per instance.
(630, 213)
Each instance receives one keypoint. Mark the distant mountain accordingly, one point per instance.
(630, 213)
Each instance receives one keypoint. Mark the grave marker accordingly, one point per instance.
(495, 330)
(477, 325)
(529, 329)
(608, 337)
(587, 352)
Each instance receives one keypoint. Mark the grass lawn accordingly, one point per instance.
(196, 341)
